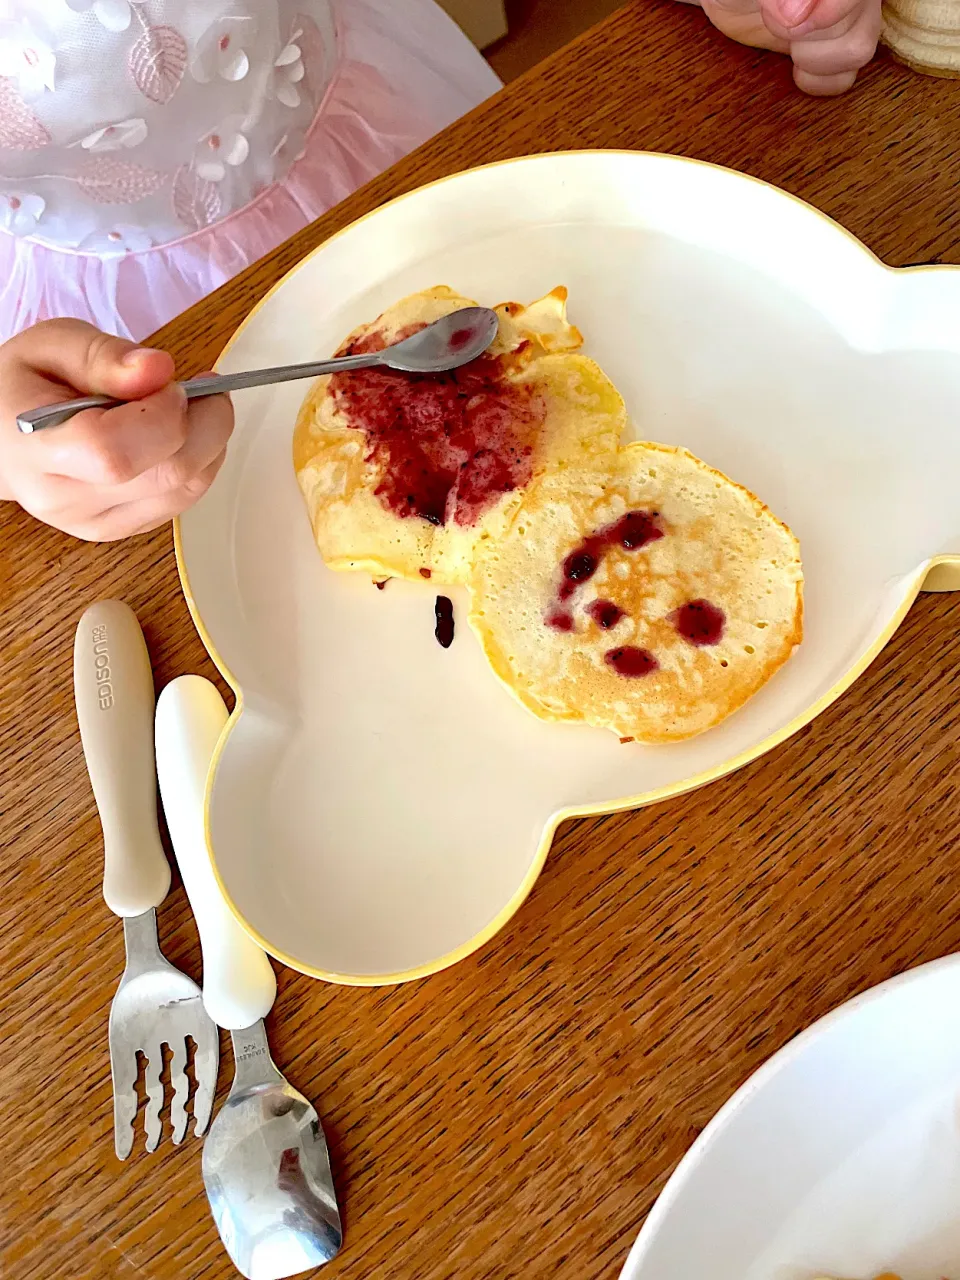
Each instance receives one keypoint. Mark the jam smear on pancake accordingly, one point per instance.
(559, 619)
(605, 613)
(630, 661)
(448, 445)
(443, 611)
(632, 531)
(700, 622)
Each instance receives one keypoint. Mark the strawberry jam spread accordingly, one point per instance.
(447, 445)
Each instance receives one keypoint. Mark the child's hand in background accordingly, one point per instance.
(107, 473)
(828, 40)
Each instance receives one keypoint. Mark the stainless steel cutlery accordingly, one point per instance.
(265, 1163)
(155, 1004)
(266, 1168)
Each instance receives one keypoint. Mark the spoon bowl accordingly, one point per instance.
(448, 343)
(266, 1171)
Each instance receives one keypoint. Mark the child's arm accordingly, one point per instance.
(828, 40)
(105, 474)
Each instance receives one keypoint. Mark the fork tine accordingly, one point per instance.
(124, 1109)
(205, 1063)
(151, 1115)
(181, 1089)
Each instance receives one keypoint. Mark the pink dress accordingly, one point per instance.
(151, 149)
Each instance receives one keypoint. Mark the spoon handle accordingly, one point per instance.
(239, 986)
(52, 415)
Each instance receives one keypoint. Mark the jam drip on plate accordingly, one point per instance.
(443, 610)
(447, 445)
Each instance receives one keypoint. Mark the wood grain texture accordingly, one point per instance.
(515, 1116)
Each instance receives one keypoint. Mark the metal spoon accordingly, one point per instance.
(448, 343)
(265, 1164)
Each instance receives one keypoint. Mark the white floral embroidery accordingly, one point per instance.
(221, 50)
(26, 58)
(112, 14)
(288, 72)
(116, 241)
(225, 145)
(115, 137)
(20, 211)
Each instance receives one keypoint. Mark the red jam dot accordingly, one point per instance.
(15, 202)
(448, 446)
(605, 613)
(636, 529)
(224, 42)
(632, 531)
(578, 567)
(426, 573)
(443, 610)
(559, 619)
(700, 622)
(629, 661)
(459, 338)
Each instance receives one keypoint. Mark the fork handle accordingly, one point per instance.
(113, 685)
(239, 986)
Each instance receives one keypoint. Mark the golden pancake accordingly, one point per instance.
(649, 595)
(404, 475)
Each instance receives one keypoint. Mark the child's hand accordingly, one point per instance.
(107, 473)
(828, 40)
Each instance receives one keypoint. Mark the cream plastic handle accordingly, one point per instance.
(113, 685)
(239, 985)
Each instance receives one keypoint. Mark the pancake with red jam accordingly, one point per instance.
(405, 475)
(649, 595)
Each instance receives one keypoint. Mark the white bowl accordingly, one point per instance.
(381, 807)
(839, 1157)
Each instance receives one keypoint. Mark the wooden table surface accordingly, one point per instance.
(517, 1115)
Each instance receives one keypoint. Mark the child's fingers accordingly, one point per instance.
(741, 20)
(849, 50)
(80, 357)
(129, 518)
(793, 19)
(823, 86)
(209, 425)
(828, 40)
(106, 447)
